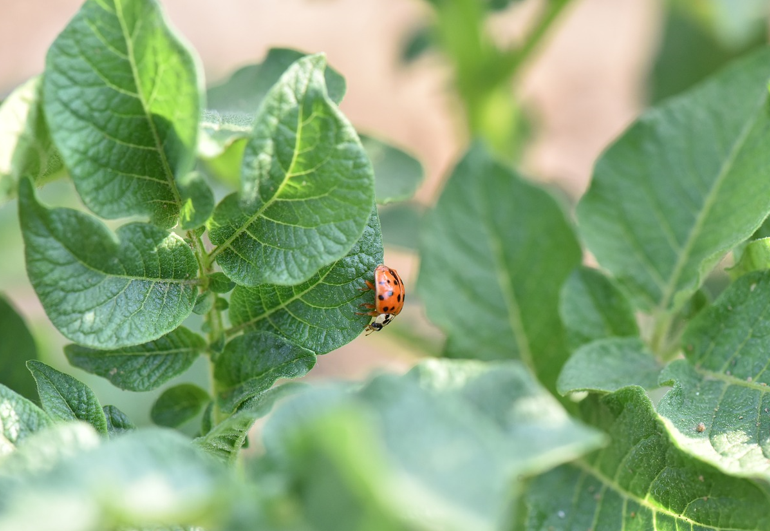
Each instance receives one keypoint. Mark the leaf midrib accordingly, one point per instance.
(711, 198)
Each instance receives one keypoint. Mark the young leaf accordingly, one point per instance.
(142, 367)
(495, 252)
(607, 365)
(118, 422)
(251, 363)
(591, 308)
(219, 283)
(25, 145)
(321, 314)
(755, 257)
(103, 290)
(307, 188)
(197, 201)
(16, 347)
(397, 174)
(232, 104)
(178, 404)
(19, 418)
(718, 409)
(64, 398)
(138, 92)
(688, 181)
(640, 481)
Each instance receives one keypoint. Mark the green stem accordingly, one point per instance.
(659, 341)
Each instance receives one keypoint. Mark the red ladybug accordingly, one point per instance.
(389, 295)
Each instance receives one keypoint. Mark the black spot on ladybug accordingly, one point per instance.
(381, 297)
(384, 308)
(398, 297)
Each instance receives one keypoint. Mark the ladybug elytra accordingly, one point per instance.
(389, 295)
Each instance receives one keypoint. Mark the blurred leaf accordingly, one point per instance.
(692, 49)
(688, 181)
(641, 480)
(401, 225)
(723, 382)
(224, 440)
(102, 289)
(305, 180)
(495, 252)
(418, 41)
(197, 201)
(46, 448)
(251, 364)
(118, 422)
(19, 418)
(444, 445)
(321, 314)
(609, 364)
(592, 307)
(142, 367)
(397, 175)
(134, 129)
(755, 257)
(26, 149)
(16, 347)
(178, 404)
(64, 398)
(149, 477)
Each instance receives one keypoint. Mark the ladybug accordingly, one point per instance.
(389, 296)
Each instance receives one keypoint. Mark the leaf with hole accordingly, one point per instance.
(307, 187)
(106, 290)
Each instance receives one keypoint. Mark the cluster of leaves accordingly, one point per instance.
(475, 441)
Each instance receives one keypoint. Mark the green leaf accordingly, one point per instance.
(219, 283)
(447, 443)
(178, 404)
(203, 303)
(607, 365)
(321, 314)
(16, 347)
(640, 481)
(149, 477)
(233, 103)
(142, 367)
(118, 422)
(224, 440)
(197, 201)
(687, 182)
(307, 188)
(25, 145)
(755, 257)
(495, 252)
(19, 418)
(251, 364)
(106, 290)
(401, 224)
(397, 175)
(722, 385)
(592, 307)
(122, 96)
(64, 398)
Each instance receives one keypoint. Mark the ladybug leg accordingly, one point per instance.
(369, 286)
(372, 313)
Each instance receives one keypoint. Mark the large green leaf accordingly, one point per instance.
(251, 364)
(19, 418)
(321, 314)
(105, 290)
(122, 96)
(142, 367)
(149, 477)
(607, 365)
(495, 252)
(592, 307)
(178, 404)
(397, 174)
(718, 408)
(25, 145)
(65, 398)
(640, 481)
(446, 444)
(307, 188)
(16, 347)
(233, 103)
(688, 181)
